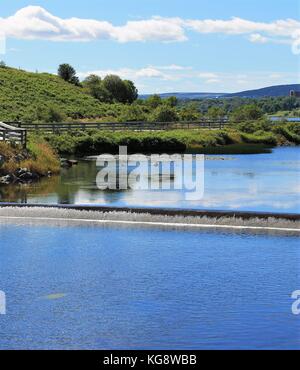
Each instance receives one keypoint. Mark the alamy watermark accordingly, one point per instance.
(2, 303)
(153, 172)
(296, 304)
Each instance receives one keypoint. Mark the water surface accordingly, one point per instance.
(104, 288)
(256, 182)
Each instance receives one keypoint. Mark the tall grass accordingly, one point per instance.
(40, 158)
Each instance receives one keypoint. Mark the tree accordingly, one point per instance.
(92, 81)
(68, 73)
(116, 87)
(215, 113)
(95, 87)
(164, 114)
(171, 101)
(249, 112)
(132, 91)
(122, 91)
(154, 101)
(190, 112)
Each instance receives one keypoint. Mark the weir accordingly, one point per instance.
(76, 215)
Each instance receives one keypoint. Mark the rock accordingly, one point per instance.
(6, 180)
(21, 171)
(27, 176)
(67, 163)
(73, 162)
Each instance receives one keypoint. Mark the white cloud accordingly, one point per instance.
(207, 75)
(258, 38)
(150, 79)
(150, 73)
(34, 22)
(213, 81)
(239, 26)
(145, 73)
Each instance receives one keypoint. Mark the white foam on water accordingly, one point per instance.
(65, 217)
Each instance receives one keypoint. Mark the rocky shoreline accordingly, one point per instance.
(25, 176)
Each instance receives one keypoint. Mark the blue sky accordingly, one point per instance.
(164, 46)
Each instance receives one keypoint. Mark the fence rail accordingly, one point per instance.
(10, 133)
(119, 126)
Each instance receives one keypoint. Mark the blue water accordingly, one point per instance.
(256, 182)
(288, 119)
(103, 288)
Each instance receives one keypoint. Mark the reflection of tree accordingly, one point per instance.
(65, 187)
(20, 192)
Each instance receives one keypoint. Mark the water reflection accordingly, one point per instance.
(263, 182)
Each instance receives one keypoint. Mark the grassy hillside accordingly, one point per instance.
(28, 96)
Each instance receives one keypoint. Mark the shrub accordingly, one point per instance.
(164, 114)
(259, 137)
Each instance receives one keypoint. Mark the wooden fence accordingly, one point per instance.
(10, 133)
(119, 126)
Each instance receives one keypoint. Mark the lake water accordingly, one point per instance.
(256, 182)
(104, 288)
(288, 119)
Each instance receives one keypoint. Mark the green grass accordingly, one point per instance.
(27, 96)
(234, 140)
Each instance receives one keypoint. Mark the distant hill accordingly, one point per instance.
(22, 94)
(272, 91)
(187, 95)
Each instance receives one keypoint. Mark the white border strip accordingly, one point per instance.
(149, 223)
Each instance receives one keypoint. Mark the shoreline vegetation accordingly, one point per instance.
(19, 166)
(42, 157)
(249, 137)
(42, 97)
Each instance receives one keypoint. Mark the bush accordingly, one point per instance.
(288, 134)
(84, 145)
(164, 114)
(259, 137)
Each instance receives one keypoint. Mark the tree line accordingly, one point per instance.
(111, 89)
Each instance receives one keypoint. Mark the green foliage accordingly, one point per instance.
(174, 141)
(290, 132)
(189, 112)
(26, 96)
(268, 105)
(216, 113)
(95, 87)
(260, 137)
(68, 73)
(122, 91)
(132, 113)
(246, 113)
(252, 126)
(171, 101)
(154, 101)
(164, 114)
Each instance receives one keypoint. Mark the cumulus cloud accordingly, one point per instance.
(34, 22)
(239, 26)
